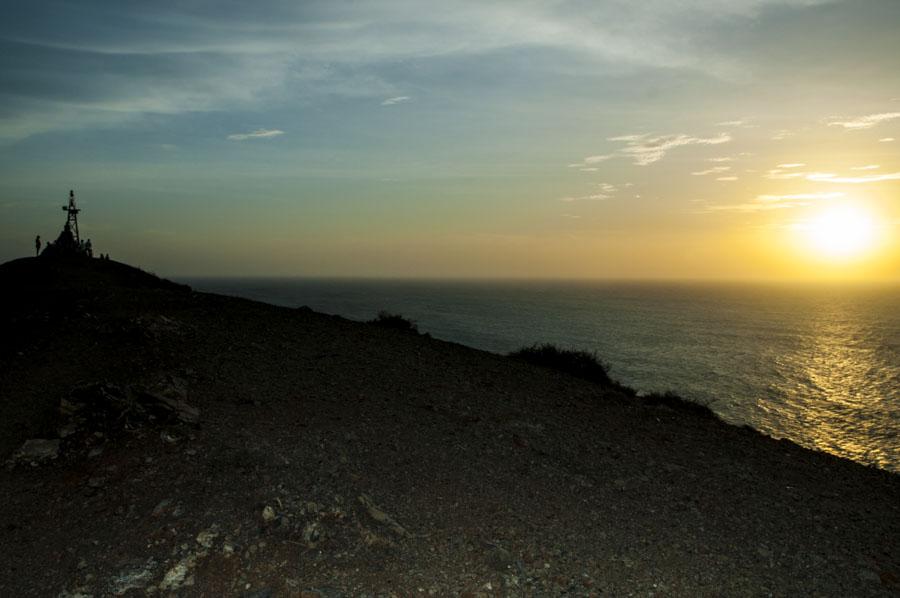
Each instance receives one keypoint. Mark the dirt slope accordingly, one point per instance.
(213, 446)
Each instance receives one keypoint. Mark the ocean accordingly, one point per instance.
(819, 365)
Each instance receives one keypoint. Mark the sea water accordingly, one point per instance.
(819, 365)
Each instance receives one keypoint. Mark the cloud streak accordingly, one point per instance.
(646, 150)
(257, 134)
(864, 122)
(827, 177)
(767, 203)
(607, 191)
(713, 170)
(395, 100)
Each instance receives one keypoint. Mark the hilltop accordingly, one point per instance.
(183, 443)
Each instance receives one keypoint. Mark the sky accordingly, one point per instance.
(662, 139)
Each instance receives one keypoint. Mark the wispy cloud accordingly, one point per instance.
(721, 159)
(646, 150)
(634, 137)
(799, 196)
(886, 140)
(780, 174)
(257, 134)
(754, 207)
(592, 197)
(782, 134)
(727, 179)
(867, 167)
(826, 177)
(765, 203)
(395, 100)
(713, 170)
(864, 122)
(606, 191)
(792, 165)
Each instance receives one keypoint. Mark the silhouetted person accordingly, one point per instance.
(37, 245)
(89, 248)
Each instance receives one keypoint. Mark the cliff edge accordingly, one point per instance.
(160, 441)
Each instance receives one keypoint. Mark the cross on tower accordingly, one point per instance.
(72, 219)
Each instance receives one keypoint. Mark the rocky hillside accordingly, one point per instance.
(164, 442)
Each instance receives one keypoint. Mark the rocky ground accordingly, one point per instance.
(164, 442)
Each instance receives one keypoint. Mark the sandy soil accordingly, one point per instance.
(334, 458)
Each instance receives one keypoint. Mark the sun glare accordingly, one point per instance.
(840, 232)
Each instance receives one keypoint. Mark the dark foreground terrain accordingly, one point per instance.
(187, 444)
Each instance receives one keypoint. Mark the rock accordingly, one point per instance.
(207, 537)
(312, 533)
(135, 577)
(381, 517)
(161, 507)
(228, 549)
(37, 450)
(268, 514)
(177, 576)
(500, 559)
(173, 407)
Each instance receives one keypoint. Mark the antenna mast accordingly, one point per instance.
(72, 219)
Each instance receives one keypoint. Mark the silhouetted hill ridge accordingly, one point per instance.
(185, 443)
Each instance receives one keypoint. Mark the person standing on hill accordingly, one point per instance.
(37, 245)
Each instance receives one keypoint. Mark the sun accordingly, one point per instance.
(840, 232)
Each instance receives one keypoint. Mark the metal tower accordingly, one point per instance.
(72, 219)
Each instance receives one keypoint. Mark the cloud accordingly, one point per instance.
(799, 196)
(111, 61)
(713, 170)
(598, 159)
(867, 167)
(754, 207)
(739, 123)
(765, 203)
(257, 134)
(721, 159)
(607, 190)
(636, 137)
(792, 165)
(727, 178)
(781, 134)
(646, 150)
(779, 174)
(826, 177)
(864, 122)
(395, 100)
(886, 140)
(592, 197)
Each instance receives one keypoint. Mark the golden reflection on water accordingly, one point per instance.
(833, 386)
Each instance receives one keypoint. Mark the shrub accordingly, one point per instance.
(678, 403)
(577, 363)
(388, 320)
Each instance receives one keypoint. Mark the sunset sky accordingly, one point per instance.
(702, 139)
